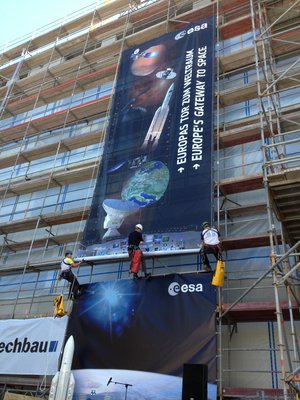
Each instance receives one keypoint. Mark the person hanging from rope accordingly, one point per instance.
(66, 273)
(210, 244)
(135, 239)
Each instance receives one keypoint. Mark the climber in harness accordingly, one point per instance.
(210, 243)
(135, 239)
(67, 274)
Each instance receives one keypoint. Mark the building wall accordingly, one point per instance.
(35, 290)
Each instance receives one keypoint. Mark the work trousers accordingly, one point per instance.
(74, 289)
(131, 250)
(216, 250)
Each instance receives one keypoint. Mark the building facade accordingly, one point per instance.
(56, 91)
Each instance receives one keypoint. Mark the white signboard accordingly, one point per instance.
(31, 346)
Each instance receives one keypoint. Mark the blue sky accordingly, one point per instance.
(21, 17)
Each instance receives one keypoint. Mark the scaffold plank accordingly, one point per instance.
(241, 184)
(250, 209)
(259, 311)
(56, 91)
(244, 57)
(260, 240)
(236, 392)
(62, 176)
(85, 112)
(45, 220)
(285, 194)
(60, 146)
(238, 94)
(236, 27)
(56, 240)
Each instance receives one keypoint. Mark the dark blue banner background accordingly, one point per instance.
(153, 326)
(157, 163)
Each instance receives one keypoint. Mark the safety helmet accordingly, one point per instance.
(205, 223)
(68, 252)
(139, 226)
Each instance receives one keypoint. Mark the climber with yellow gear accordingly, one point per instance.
(66, 273)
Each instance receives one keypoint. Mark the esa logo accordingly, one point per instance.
(195, 28)
(174, 288)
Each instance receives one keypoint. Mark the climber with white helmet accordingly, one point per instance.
(135, 239)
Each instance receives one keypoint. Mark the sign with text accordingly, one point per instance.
(31, 346)
(157, 164)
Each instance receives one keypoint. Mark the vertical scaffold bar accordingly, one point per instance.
(257, 13)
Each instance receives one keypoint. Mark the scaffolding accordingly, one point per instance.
(275, 33)
(56, 90)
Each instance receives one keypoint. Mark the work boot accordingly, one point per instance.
(135, 276)
(147, 276)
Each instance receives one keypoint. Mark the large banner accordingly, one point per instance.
(31, 346)
(151, 326)
(157, 164)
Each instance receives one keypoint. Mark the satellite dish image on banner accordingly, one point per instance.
(156, 167)
(142, 333)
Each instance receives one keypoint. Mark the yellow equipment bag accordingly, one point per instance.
(219, 275)
(59, 307)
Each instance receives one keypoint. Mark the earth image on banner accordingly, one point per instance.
(148, 184)
(144, 188)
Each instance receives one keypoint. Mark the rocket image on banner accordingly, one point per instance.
(63, 383)
(158, 122)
